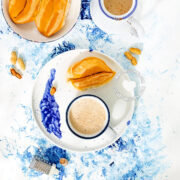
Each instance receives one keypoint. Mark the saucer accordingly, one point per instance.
(29, 30)
(124, 28)
(120, 111)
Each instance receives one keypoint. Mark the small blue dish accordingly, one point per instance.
(106, 125)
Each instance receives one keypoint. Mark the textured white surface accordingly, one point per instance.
(152, 139)
(166, 63)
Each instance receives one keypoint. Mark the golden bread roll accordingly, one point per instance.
(51, 16)
(15, 7)
(28, 13)
(86, 67)
(92, 81)
(89, 72)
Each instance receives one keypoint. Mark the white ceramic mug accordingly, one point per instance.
(85, 136)
(134, 23)
(118, 17)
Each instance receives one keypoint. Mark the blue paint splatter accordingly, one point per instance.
(50, 155)
(84, 161)
(50, 109)
(77, 175)
(111, 164)
(94, 34)
(104, 172)
(53, 154)
(66, 46)
(94, 162)
(85, 10)
(128, 123)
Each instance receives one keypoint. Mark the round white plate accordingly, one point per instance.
(120, 111)
(29, 31)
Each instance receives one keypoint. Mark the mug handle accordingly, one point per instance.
(136, 27)
(140, 87)
(139, 92)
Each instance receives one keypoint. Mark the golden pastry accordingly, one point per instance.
(28, 13)
(94, 80)
(15, 7)
(51, 16)
(89, 72)
(86, 67)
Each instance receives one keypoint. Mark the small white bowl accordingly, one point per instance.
(29, 31)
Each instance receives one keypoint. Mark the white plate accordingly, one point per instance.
(121, 111)
(29, 31)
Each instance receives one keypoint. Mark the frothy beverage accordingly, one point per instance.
(88, 116)
(118, 7)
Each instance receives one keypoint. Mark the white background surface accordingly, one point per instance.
(167, 56)
(160, 65)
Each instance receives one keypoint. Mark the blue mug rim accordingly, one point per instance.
(114, 18)
(67, 113)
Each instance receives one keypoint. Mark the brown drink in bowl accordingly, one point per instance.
(118, 7)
